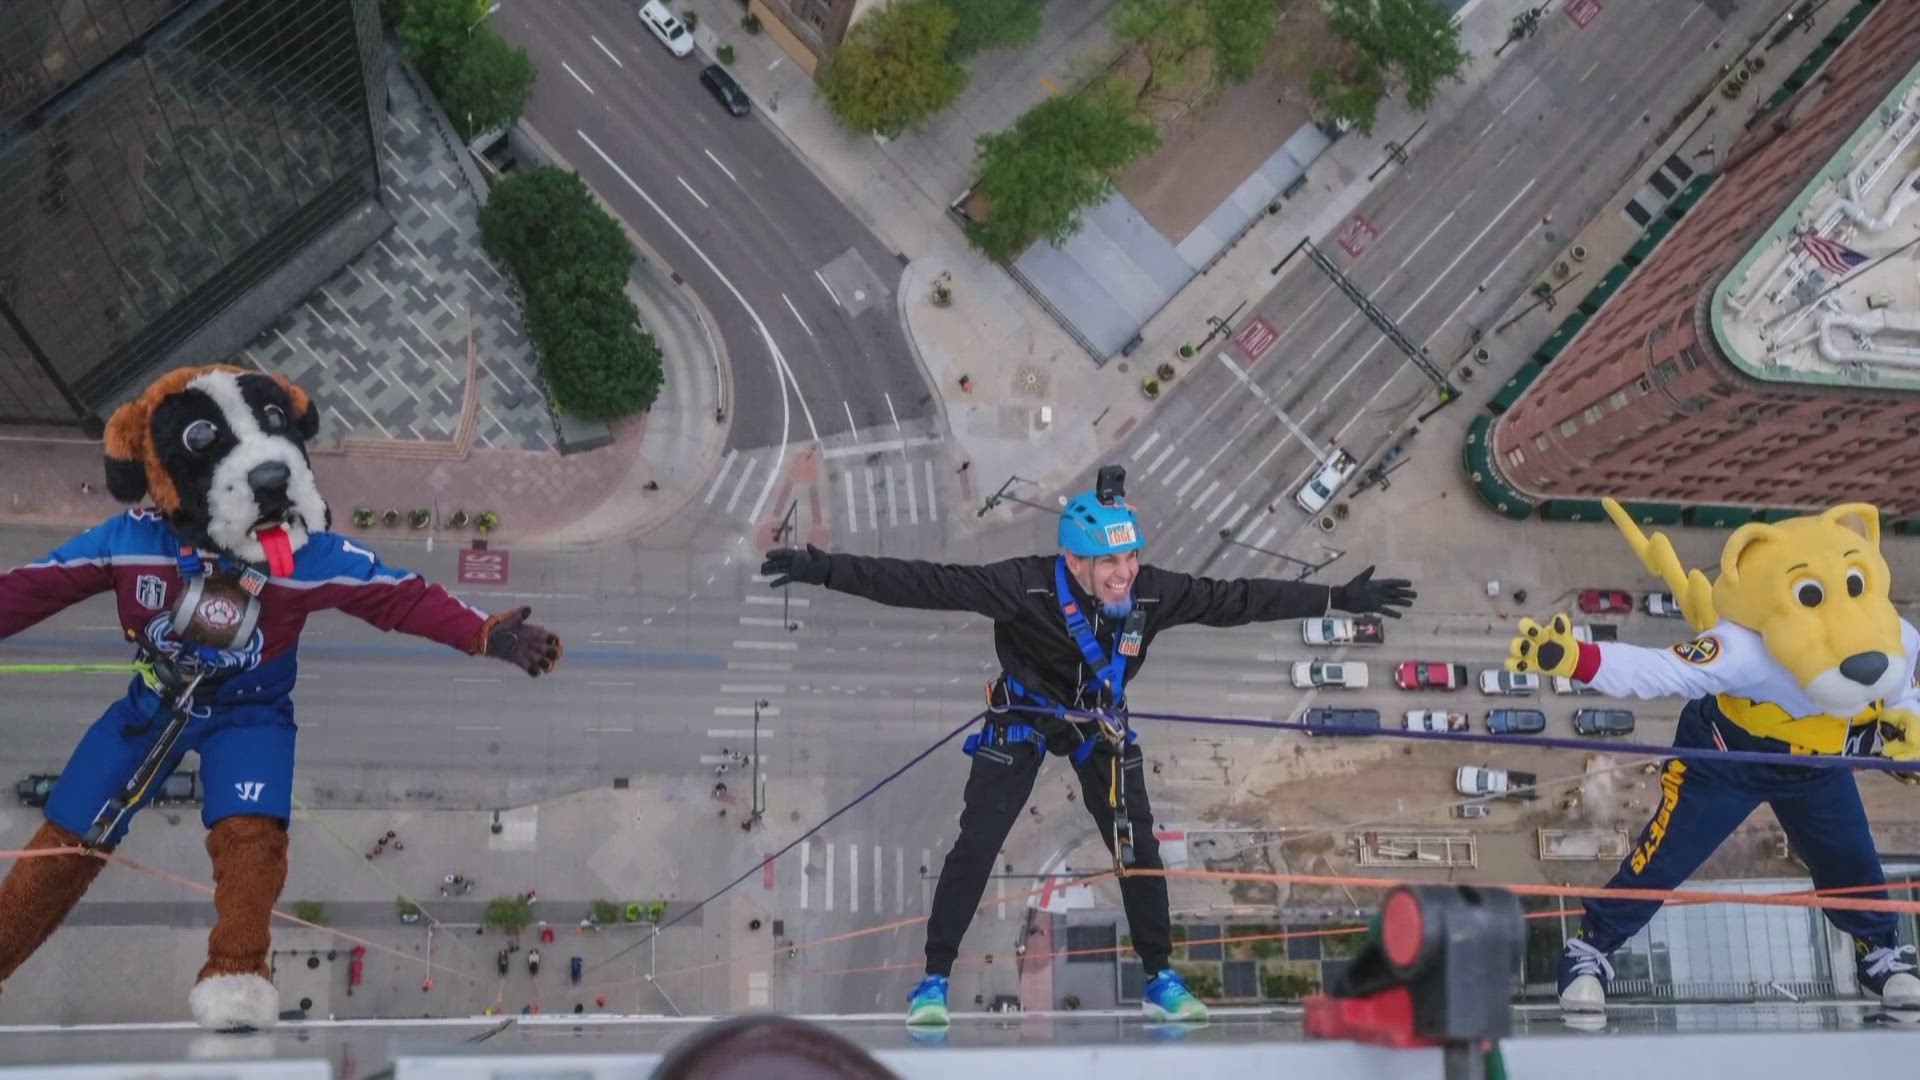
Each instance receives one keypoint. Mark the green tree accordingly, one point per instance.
(1411, 43)
(893, 72)
(991, 24)
(597, 362)
(1063, 156)
(509, 913)
(1240, 31)
(544, 220)
(488, 85)
(435, 33)
(1171, 36)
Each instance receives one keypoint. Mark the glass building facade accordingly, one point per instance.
(158, 160)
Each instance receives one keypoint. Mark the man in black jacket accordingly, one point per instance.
(1069, 631)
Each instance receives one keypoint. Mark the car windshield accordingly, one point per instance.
(1320, 489)
(675, 30)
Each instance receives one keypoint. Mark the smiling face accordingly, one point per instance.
(1816, 590)
(222, 452)
(1106, 578)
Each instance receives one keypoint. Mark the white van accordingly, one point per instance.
(671, 32)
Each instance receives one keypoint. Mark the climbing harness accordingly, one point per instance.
(1111, 725)
(211, 632)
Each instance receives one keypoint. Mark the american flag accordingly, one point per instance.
(1832, 255)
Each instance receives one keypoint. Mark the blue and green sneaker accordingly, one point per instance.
(927, 1005)
(1167, 998)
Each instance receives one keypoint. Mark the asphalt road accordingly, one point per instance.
(802, 290)
(1554, 132)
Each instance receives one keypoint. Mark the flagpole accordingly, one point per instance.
(1778, 319)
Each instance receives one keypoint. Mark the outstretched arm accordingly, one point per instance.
(358, 583)
(1706, 665)
(1213, 602)
(992, 590)
(80, 568)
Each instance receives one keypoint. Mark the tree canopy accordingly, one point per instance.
(894, 70)
(1241, 31)
(1063, 156)
(991, 24)
(1410, 43)
(480, 80)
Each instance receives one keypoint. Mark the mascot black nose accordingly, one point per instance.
(269, 477)
(1864, 668)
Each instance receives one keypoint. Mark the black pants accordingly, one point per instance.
(997, 790)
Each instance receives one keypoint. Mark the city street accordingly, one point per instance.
(802, 290)
(1447, 242)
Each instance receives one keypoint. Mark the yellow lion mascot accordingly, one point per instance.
(1799, 652)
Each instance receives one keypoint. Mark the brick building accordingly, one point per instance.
(1734, 368)
(810, 30)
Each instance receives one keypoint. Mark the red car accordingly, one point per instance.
(1427, 675)
(1606, 601)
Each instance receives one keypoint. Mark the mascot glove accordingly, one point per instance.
(1544, 650)
(1900, 741)
(788, 565)
(512, 638)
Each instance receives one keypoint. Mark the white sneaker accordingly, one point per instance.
(1583, 978)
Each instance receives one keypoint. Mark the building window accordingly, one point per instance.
(1666, 371)
(1643, 385)
(1618, 401)
(1515, 459)
(1690, 358)
(1594, 414)
(819, 21)
(1540, 443)
(1569, 428)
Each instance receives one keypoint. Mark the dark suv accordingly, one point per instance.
(1360, 720)
(716, 79)
(1603, 722)
(1516, 721)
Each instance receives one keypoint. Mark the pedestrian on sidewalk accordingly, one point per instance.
(719, 790)
(653, 485)
(600, 1002)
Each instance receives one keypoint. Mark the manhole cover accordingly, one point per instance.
(1030, 381)
(859, 294)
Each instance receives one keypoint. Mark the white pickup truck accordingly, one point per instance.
(1501, 783)
(1309, 674)
(1340, 630)
(1316, 493)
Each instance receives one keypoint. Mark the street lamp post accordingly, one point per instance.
(780, 533)
(1307, 569)
(753, 816)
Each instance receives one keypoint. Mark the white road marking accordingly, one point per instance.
(753, 688)
(739, 733)
(873, 506)
(785, 377)
(933, 509)
(853, 877)
(609, 52)
(879, 865)
(723, 167)
(1470, 245)
(741, 486)
(768, 646)
(899, 880)
(775, 601)
(726, 464)
(1237, 515)
(745, 710)
(853, 516)
(1266, 536)
(610, 684)
(1144, 445)
(757, 665)
(890, 412)
(1198, 475)
(777, 624)
(609, 731)
(1272, 407)
(1174, 473)
(1416, 250)
(893, 506)
(473, 680)
(829, 880)
(913, 495)
(1164, 454)
(830, 292)
(1222, 507)
(806, 860)
(851, 426)
(1596, 65)
(467, 727)
(1529, 86)
(796, 315)
(692, 192)
(1201, 499)
(577, 78)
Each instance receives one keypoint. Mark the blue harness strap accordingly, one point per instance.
(1111, 673)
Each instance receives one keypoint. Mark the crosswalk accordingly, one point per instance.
(1207, 501)
(854, 878)
(853, 489)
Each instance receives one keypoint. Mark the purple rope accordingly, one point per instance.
(1756, 757)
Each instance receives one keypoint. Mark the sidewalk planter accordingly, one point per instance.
(1165, 373)
(1579, 253)
(634, 912)
(459, 520)
(1326, 523)
(1150, 387)
(312, 911)
(750, 23)
(657, 912)
(390, 519)
(487, 521)
(1474, 454)
(364, 517)
(724, 53)
(1481, 356)
(419, 518)
(1186, 352)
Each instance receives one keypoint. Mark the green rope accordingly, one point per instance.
(1496, 1064)
(64, 669)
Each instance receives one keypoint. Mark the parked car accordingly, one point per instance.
(1430, 675)
(1603, 722)
(182, 787)
(1503, 783)
(1516, 721)
(1660, 605)
(1503, 682)
(1339, 630)
(1311, 673)
(1592, 632)
(1435, 720)
(1359, 721)
(1606, 601)
(716, 79)
(1564, 685)
(1317, 492)
(1471, 810)
(671, 31)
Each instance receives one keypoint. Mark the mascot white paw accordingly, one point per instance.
(235, 1003)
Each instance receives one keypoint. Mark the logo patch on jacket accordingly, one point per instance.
(151, 591)
(1120, 532)
(1130, 644)
(1699, 652)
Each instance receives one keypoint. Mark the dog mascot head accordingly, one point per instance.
(222, 453)
(1816, 590)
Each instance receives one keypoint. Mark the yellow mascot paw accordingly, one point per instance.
(1544, 650)
(1900, 741)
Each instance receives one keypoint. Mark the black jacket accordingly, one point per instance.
(1030, 633)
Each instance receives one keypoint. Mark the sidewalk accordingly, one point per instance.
(1019, 359)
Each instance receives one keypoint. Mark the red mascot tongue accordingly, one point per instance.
(279, 550)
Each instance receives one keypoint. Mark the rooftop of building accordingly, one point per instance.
(1830, 293)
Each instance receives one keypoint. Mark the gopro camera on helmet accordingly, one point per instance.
(1110, 487)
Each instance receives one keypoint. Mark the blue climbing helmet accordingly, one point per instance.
(1089, 528)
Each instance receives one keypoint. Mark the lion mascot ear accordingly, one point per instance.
(306, 418)
(127, 440)
(1863, 518)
